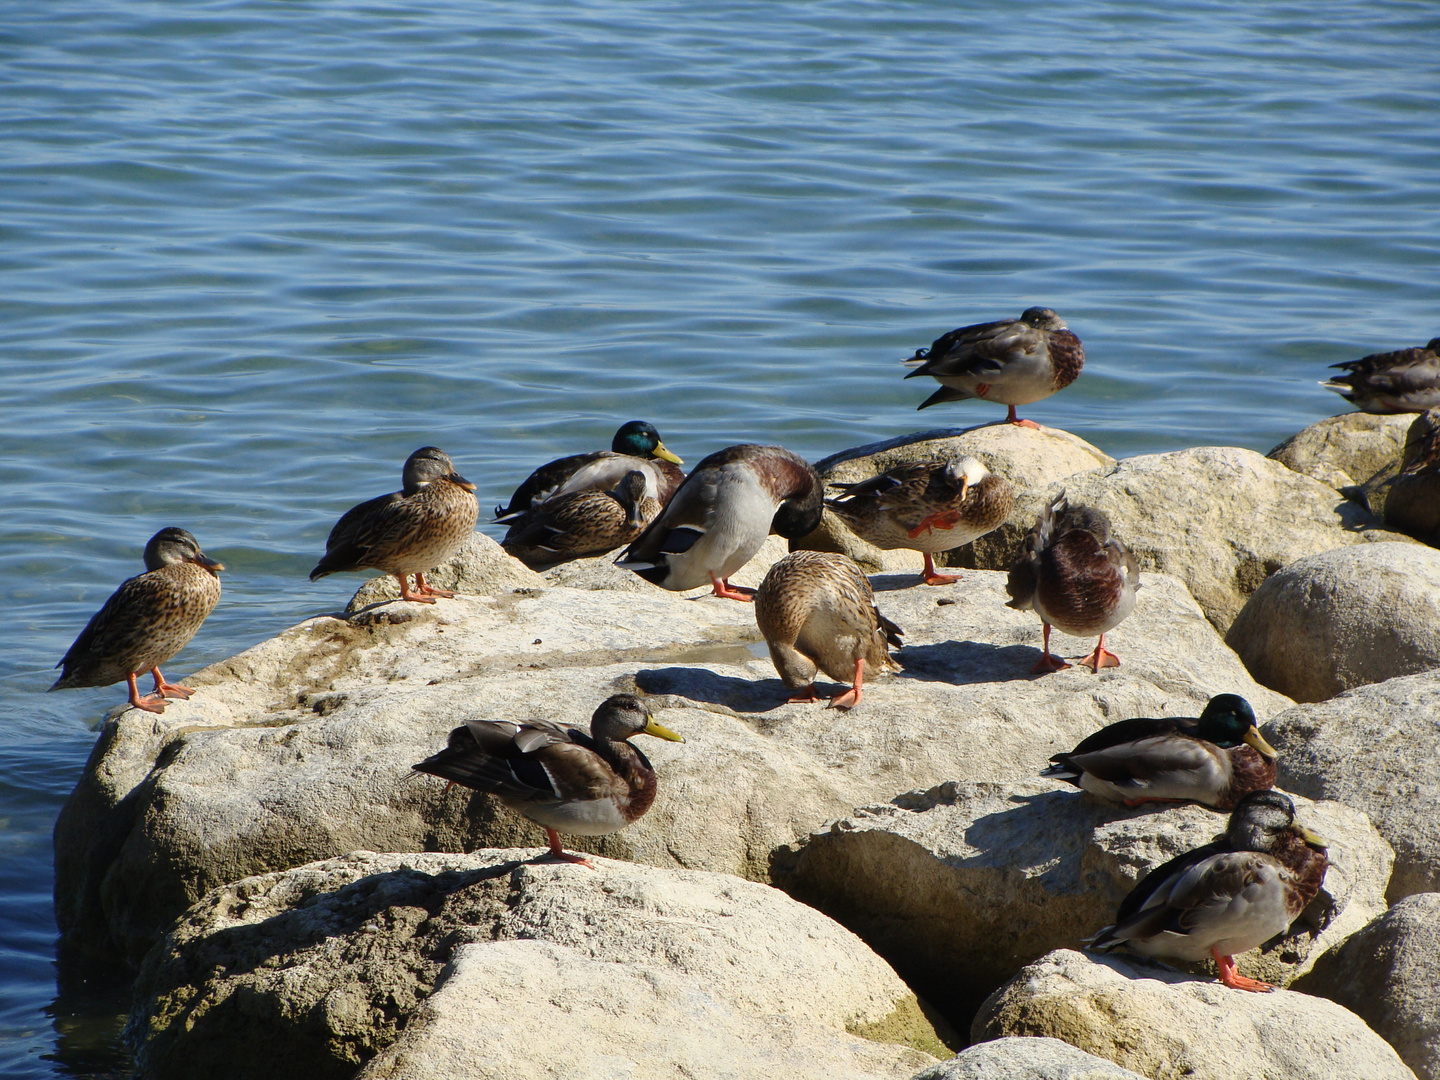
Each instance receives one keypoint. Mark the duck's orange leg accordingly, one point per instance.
(151, 703)
(406, 594)
(1233, 979)
(424, 588)
(1021, 423)
(724, 589)
(1048, 663)
(932, 577)
(850, 698)
(171, 690)
(1101, 657)
(557, 852)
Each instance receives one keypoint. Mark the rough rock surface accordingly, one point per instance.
(961, 886)
(1169, 1026)
(1377, 749)
(1342, 619)
(1022, 1058)
(1389, 975)
(1351, 450)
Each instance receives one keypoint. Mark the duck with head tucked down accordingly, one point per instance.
(582, 523)
(1407, 380)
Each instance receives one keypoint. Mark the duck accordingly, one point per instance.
(721, 515)
(406, 532)
(1413, 504)
(1228, 896)
(1215, 759)
(581, 523)
(1407, 380)
(636, 445)
(817, 611)
(561, 778)
(1012, 361)
(926, 506)
(146, 621)
(1073, 574)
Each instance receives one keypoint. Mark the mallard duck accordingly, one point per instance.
(582, 523)
(721, 515)
(559, 777)
(1073, 574)
(408, 531)
(1012, 361)
(1413, 505)
(636, 445)
(816, 610)
(1214, 760)
(926, 506)
(1228, 896)
(146, 621)
(1407, 380)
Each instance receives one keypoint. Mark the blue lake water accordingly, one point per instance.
(255, 253)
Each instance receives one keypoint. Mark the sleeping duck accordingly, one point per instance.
(1413, 505)
(1407, 380)
(582, 523)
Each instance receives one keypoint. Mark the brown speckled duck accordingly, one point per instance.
(559, 777)
(1407, 380)
(1413, 504)
(1073, 574)
(926, 506)
(409, 531)
(1228, 896)
(582, 523)
(1012, 361)
(816, 610)
(146, 621)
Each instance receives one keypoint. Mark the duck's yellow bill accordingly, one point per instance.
(1255, 739)
(666, 455)
(1315, 840)
(661, 732)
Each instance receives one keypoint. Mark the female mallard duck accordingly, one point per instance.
(559, 777)
(1012, 361)
(582, 523)
(1073, 574)
(408, 531)
(1228, 896)
(1413, 505)
(816, 610)
(1407, 380)
(636, 445)
(721, 515)
(146, 621)
(1214, 760)
(926, 506)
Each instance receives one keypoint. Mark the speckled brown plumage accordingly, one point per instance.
(1413, 504)
(1407, 380)
(582, 523)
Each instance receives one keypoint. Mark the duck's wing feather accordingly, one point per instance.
(979, 350)
(536, 760)
(547, 480)
(354, 535)
(687, 517)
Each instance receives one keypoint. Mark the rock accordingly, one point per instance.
(463, 958)
(481, 567)
(1168, 1026)
(1350, 450)
(1341, 619)
(1021, 1058)
(961, 886)
(1374, 748)
(1389, 975)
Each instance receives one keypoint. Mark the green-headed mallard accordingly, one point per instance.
(408, 531)
(559, 777)
(636, 445)
(1073, 574)
(146, 621)
(816, 610)
(926, 506)
(1228, 896)
(1012, 361)
(1215, 759)
(582, 523)
(1407, 380)
(721, 515)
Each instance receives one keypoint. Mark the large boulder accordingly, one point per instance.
(1376, 748)
(1022, 1058)
(310, 973)
(1352, 450)
(1342, 619)
(1170, 1026)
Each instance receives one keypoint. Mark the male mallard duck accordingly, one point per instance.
(1413, 505)
(1407, 380)
(1012, 361)
(816, 610)
(559, 777)
(1214, 760)
(1228, 896)
(146, 621)
(1073, 574)
(721, 515)
(636, 445)
(582, 523)
(926, 506)
(408, 531)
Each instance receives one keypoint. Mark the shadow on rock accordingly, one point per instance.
(700, 684)
(960, 662)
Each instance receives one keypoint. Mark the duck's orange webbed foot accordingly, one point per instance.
(1233, 979)
(149, 703)
(424, 588)
(557, 852)
(406, 594)
(1048, 662)
(934, 577)
(850, 698)
(1101, 657)
(168, 689)
(726, 591)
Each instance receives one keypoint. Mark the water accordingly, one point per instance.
(255, 253)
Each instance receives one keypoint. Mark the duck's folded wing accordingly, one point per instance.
(686, 518)
(354, 535)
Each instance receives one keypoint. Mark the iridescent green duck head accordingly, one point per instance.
(1228, 721)
(639, 439)
(429, 464)
(170, 546)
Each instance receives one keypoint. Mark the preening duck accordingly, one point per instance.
(582, 523)
(1407, 380)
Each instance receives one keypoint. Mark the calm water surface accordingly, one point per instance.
(254, 253)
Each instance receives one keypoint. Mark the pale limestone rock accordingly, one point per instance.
(1021, 1058)
(1349, 450)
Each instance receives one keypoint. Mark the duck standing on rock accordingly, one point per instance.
(582, 523)
(146, 621)
(559, 777)
(1216, 759)
(1073, 574)
(409, 531)
(1012, 361)
(721, 515)
(817, 610)
(1228, 896)
(926, 506)
(1407, 380)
